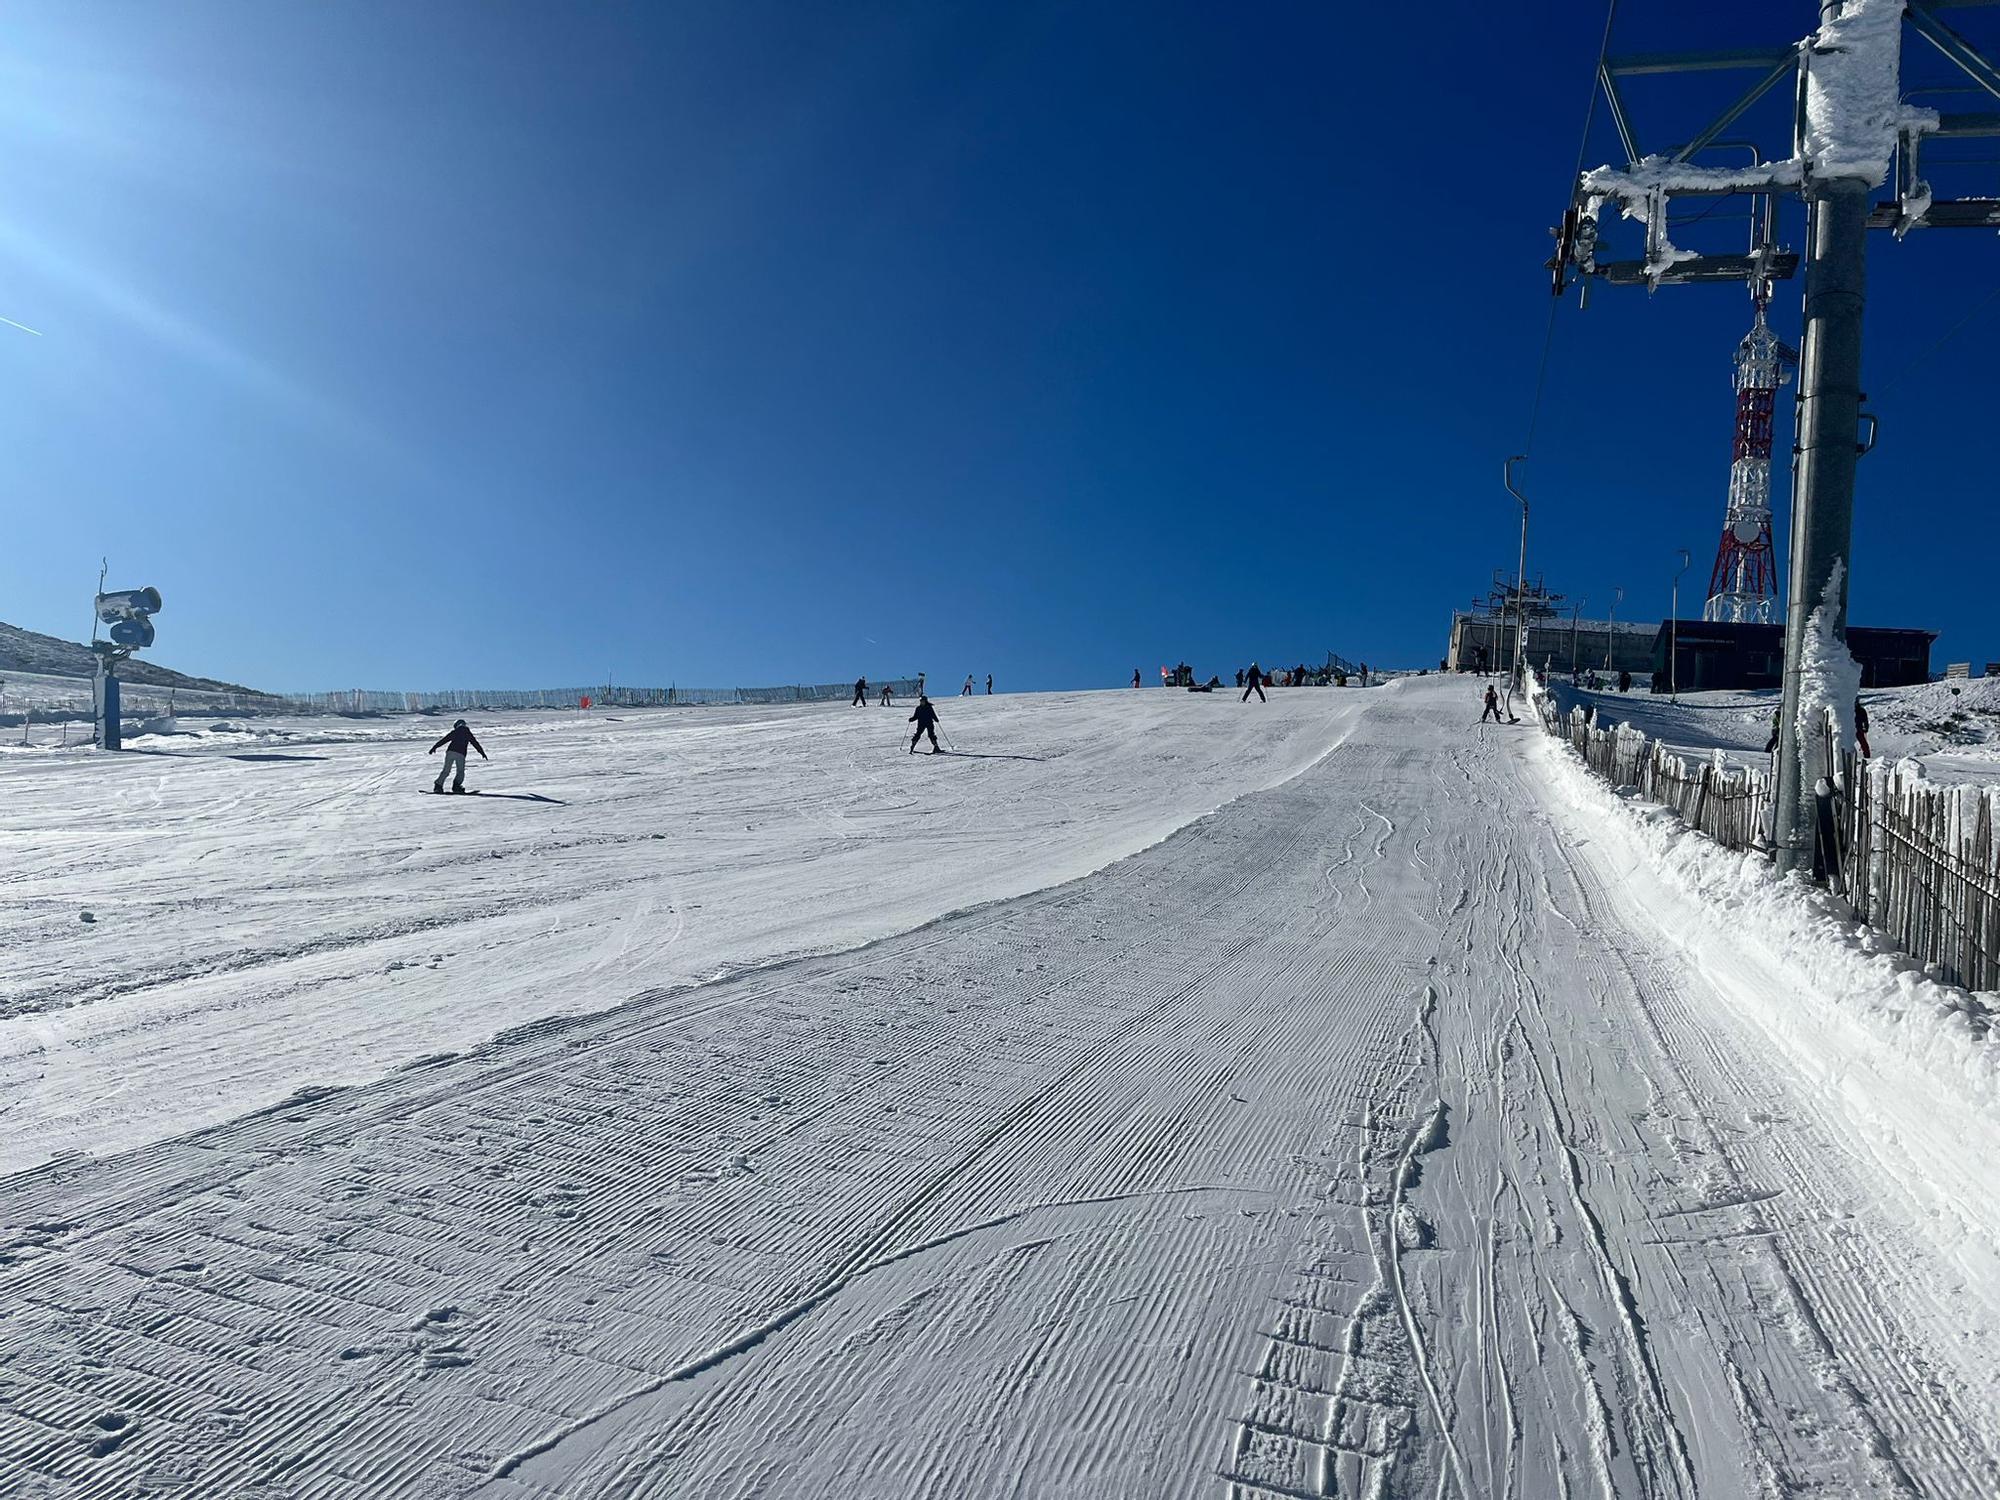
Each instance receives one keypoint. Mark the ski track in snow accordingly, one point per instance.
(272, 915)
(1367, 1137)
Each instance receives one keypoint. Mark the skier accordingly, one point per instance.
(1135, 677)
(925, 718)
(887, 694)
(1492, 705)
(966, 691)
(1861, 727)
(1255, 684)
(920, 684)
(989, 684)
(454, 758)
(1239, 677)
(860, 693)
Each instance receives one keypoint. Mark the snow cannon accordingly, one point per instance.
(129, 613)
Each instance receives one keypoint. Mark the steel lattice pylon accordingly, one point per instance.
(1744, 584)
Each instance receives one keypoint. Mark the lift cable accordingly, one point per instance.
(1555, 303)
(1945, 338)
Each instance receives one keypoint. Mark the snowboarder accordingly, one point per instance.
(860, 693)
(454, 758)
(925, 718)
(989, 684)
(1492, 705)
(1861, 727)
(966, 691)
(1254, 684)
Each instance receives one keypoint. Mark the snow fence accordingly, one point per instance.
(1918, 862)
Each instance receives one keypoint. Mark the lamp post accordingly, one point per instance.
(1674, 635)
(1610, 620)
(1520, 581)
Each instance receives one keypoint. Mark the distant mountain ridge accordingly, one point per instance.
(30, 651)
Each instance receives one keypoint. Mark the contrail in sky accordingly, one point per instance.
(22, 326)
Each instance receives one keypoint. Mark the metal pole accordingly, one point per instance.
(1575, 623)
(1829, 417)
(1611, 620)
(1674, 635)
(1520, 581)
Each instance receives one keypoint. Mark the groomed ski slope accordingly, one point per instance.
(1387, 1132)
(207, 924)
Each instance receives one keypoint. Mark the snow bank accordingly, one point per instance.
(1912, 1063)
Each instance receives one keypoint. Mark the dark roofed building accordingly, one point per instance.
(1712, 655)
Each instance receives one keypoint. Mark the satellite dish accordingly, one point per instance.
(1748, 531)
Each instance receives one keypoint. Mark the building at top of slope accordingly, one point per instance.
(1716, 655)
(1555, 639)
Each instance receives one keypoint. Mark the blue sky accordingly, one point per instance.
(506, 344)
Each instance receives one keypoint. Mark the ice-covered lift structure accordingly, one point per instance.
(1852, 133)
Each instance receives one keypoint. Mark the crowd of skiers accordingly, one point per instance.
(1254, 679)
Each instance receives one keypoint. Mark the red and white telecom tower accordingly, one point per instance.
(1744, 585)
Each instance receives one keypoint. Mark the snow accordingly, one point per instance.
(1422, 1120)
(1829, 678)
(1853, 107)
(1915, 1060)
(1853, 115)
(45, 697)
(285, 905)
(1631, 185)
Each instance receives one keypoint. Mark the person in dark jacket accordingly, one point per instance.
(1861, 727)
(1771, 744)
(454, 758)
(925, 718)
(888, 695)
(860, 693)
(989, 684)
(1492, 705)
(1254, 684)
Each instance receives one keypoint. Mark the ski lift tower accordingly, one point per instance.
(1851, 134)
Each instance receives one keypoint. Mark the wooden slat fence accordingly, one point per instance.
(1918, 861)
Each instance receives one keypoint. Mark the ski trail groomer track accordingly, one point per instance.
(1354, 1140)
(284, 906)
